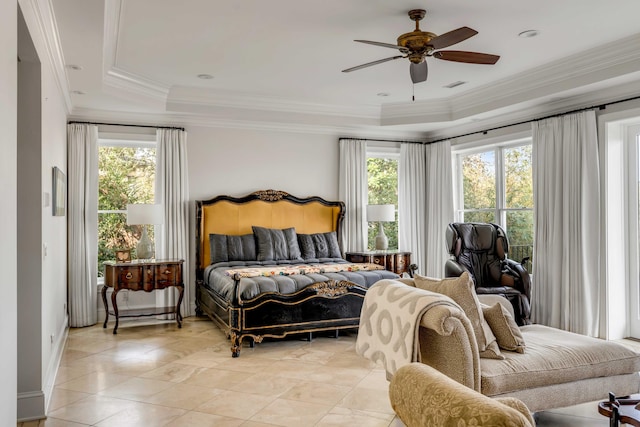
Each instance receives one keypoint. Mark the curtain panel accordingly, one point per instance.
(172, 191)
(353, 191)
(425, 199)
(82, 223)
(566, 223)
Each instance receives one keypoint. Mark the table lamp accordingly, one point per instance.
(144, 215)
(381, 213)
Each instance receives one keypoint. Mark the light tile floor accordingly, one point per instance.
(158, 375)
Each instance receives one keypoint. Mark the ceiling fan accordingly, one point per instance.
(418, 45)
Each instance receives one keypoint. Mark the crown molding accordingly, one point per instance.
(184, 96)
(116, 77)
(501, 117)
(187, 119)
(42, 25)
(616, 59)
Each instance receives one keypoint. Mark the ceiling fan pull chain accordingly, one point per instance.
(413, 92)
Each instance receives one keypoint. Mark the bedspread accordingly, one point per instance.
(286, 278)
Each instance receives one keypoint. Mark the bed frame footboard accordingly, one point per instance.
(322, 306)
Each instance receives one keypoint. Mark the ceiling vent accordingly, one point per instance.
(454, 84)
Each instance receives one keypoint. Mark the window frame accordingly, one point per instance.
(498, 146)
(383, 150)
(108, 139)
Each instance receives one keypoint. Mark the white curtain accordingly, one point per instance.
(353, 191)
(567, 223)
(425, 204)
(172, 191)
(412, 196)
(439, 208)
(82, 223)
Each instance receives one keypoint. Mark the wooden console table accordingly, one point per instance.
(141, 275)
(397, 261)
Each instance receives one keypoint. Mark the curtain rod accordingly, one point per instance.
(120, 124)
(379, 140)
(484, 132)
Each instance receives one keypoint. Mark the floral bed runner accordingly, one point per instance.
(289, 270)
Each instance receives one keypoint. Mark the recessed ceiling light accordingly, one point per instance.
(528, 34)
(382, 94)
(454, 84)
(74, 67)
(78, 92)
(205, 76)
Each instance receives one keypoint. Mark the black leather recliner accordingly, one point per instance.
(481, 249)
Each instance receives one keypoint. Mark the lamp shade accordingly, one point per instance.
(381, 213)
(144, 214)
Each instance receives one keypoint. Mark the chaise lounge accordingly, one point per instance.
(546, 368)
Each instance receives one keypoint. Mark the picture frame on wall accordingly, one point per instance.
(59, 192)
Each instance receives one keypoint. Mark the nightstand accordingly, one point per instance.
(397, 261)
(142, 275)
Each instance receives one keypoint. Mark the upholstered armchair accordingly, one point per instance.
(422, 396)
(482, 250)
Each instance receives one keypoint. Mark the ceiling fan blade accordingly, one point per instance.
(452, 37)
(418, 72)
(368, 64)
(468, 57)
(392, 46)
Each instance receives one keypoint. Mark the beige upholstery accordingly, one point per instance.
(557, 368)
(422, 396)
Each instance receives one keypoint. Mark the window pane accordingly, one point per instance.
(383, 189)
(479, 216)
(114, 233)
(518, 177)
(479, 180)
(520, 235)
(127, 175)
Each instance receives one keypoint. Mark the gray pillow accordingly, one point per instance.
(226, 248)
(319, 245)
(274, 245)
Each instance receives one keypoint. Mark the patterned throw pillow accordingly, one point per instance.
(503, 326)
(462, 291)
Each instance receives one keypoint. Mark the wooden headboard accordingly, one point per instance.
(266, 208)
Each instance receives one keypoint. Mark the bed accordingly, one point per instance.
(270, 264)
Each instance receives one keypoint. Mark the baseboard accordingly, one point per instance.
(54, 363)
(31, 406)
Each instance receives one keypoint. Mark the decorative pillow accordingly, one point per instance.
(319, 245)
(224, 248)
(503, 326)
(274, 245)
(462, 291)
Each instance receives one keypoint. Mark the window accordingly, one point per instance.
(126, 175)
(382, 176)
(496, 185)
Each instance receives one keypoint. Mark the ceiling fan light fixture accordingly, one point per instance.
(528, 34)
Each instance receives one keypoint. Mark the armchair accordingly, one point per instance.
(482, 249)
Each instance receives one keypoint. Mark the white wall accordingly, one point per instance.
(237, 162)
(8, 214)
(46, 316)
(54, 231)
